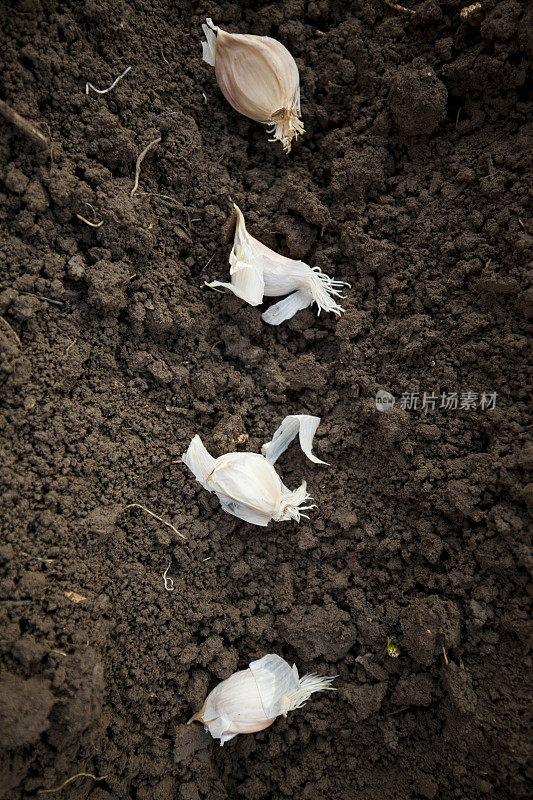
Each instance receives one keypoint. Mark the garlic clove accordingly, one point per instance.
(305, 426)
(233, 707)
(258, 77)
(257, 272)
(251, 699)
(247, 485)
(249, 479)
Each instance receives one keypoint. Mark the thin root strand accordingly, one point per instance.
(69, 780)
(92, 224)
(69, 348)
(39, 296)
(169, 583)
(139, 162)
(397, 7)
(155, 516)
(104, 91)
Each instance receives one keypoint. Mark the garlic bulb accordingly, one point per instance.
(257, 271)
(250, 700)
(246, 484)
(258, 77)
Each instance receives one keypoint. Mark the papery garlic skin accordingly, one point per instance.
(258, 77)
(247, 485)
(257, 271)
(251, 699)
(303, 425)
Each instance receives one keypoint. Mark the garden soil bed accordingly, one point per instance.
(411, 183)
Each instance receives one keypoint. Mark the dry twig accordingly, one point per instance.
(139, 162)
(46, 299)
(65, 783)
(26, 127)
(155, 516)
(32, 294)
(397, 7)
(206, 265)
(12, 331)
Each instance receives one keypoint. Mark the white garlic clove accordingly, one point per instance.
(233, 707)
(257, 271)
(249, 479)
(247, 485)
(251, 699)
(258, 77)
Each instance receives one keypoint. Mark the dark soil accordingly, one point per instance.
(411, 183)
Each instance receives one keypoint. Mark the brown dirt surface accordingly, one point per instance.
(411, 183)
